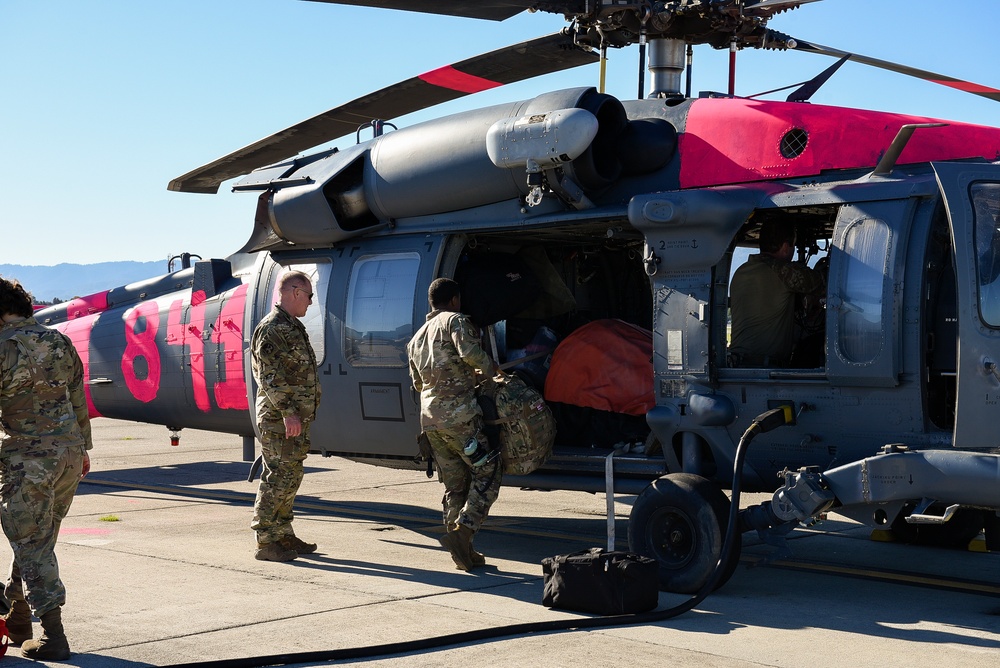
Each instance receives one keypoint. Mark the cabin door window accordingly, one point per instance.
(866, 244)
(379, 320)
(986, 210)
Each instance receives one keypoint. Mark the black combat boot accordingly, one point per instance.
(18, 622)
(52, 646)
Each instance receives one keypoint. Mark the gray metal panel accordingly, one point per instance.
(978, 385)
(692, 229)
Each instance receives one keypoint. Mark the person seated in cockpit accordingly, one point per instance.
(763, 297)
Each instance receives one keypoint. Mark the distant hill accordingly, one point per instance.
(66, 281)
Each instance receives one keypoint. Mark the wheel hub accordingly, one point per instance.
(672, 537)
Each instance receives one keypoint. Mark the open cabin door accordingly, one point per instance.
(972, 198)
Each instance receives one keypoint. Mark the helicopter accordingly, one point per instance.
(622, 211)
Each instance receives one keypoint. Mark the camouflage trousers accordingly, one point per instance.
(35, 495)
(279, 482)
(468, 492)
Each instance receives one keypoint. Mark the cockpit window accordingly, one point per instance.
(986, 207)
(379, 320)
(866, 244)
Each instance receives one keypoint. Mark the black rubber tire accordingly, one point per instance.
(957, 532)
(680, 520)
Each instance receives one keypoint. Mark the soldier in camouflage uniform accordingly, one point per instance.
(288, 392)
(43, 455)
(444, 355)
(763, 296)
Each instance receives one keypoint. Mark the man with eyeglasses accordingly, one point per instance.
(288, 392)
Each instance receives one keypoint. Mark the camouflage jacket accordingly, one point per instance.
(43, 405)
(284, 366)
(444, 354)
(762, 297)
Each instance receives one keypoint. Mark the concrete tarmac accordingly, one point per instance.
(157, 557)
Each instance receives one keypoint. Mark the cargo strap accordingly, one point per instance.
(521, 360)
(609, 489)
(500, 421)
(609, 494)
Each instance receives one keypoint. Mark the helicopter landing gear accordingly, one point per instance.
(957, 532)
(680, 520)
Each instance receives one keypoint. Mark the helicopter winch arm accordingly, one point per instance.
(544, 55)
(951, 82)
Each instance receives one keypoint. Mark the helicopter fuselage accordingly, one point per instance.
(644, 223)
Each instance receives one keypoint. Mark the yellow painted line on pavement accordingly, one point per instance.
(920, 579)
(325, 506)
(917, 579)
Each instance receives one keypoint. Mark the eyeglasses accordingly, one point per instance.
(295, 288)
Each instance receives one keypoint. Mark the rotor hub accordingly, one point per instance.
(715, 22)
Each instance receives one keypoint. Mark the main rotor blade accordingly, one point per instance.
(544, 55)
(951, 82)
(781, 5)
(492, 10)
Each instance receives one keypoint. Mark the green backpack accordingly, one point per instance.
(524, 422)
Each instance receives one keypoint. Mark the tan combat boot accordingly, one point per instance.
(297, 544)
(274, 552)
(459, 543)
(478, 558)
(18, 620)
(52, 646)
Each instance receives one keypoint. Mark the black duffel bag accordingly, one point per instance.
(602, 582)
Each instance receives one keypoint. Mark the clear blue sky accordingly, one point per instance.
(104, 101)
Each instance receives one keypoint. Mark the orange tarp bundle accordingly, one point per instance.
(607, 365)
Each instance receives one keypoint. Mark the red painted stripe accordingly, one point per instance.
(81, 306)
(78, 330)
(231, 393)
(449, 77)
(968, 86)
(737, 141)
